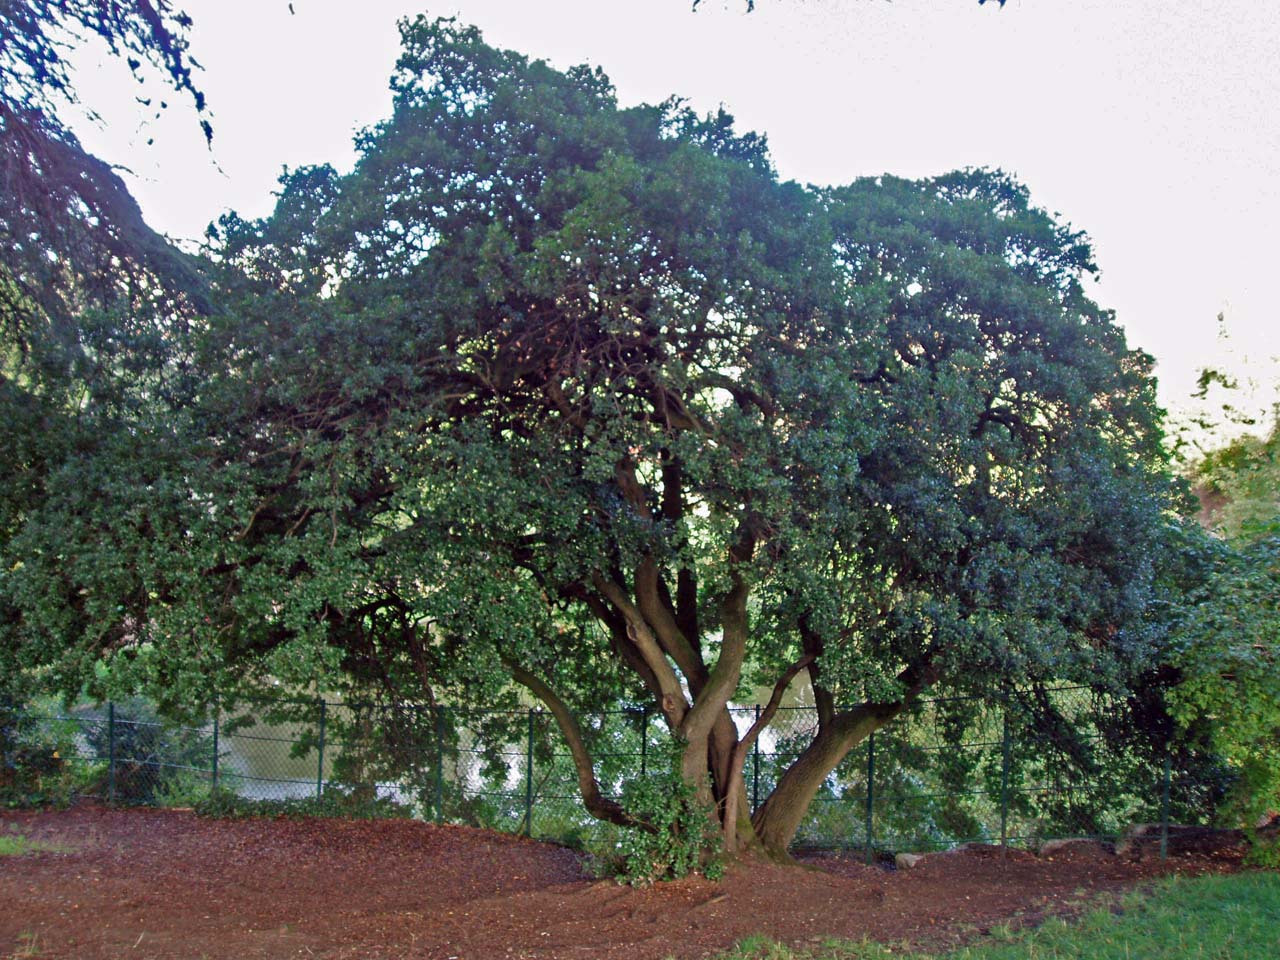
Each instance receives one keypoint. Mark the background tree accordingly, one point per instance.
(584, 400)
(1228, 629)
(89, 294)
(71, 233)
(1238, 485)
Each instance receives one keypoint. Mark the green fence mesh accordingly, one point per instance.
(952, 770)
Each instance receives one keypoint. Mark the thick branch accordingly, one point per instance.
(724, 676)
(813, 645)
(616, 624)
(771, 708)
(673, 510)
(777, 819)
(654, 604)
(736, 783)
(597, 804)
(673, 703)
(624, 473)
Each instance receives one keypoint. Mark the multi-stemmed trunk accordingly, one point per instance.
(713, 757)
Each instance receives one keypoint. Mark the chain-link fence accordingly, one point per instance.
(963, 770)
(952, 770)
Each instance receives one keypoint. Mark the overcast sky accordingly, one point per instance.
(1154, 125)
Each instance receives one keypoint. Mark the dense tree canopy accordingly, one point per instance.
(88, 292)
(552, 393)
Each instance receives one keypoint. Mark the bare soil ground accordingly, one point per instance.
(151, 884)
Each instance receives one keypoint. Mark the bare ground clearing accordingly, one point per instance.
(151, 884)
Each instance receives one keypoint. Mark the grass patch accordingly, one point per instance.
(14, 844)
(1208, 918)
(28, 947)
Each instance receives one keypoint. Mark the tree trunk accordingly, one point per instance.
(778, 819)
(735, 805)
(731, 792)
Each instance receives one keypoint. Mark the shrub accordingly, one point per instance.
(156, 762)
(685, 839)
(223, 804)
(33, 769)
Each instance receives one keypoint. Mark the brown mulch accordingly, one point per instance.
(150, 884)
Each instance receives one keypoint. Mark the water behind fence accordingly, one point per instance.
(954, 770)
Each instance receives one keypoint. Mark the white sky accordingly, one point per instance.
(1154, 125)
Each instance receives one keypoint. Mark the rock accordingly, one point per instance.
(905, 861)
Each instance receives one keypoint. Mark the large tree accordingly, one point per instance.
(583, 399)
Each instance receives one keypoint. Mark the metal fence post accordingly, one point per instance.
(1004, 779)
(214, 787)
(528, 780)
(755, 769)
(1164, 804)
(644, 741)
(111, 751)
(320, 761)
(871, 792)
(439, 718)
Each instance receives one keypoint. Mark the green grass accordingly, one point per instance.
(14, 844)
(1209, 918)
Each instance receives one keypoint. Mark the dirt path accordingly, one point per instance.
(151, 884)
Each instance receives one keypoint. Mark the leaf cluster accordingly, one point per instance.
(684, 838)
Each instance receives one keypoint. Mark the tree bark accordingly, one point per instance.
(735, 792)
(596, 803)
(779, 817)
(709, 705)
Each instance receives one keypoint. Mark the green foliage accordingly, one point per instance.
(1264, 851)
(156, 761)
(33, 768)
(180, 788)
(70, 233)
(685, 835)
(543, 372)
(14, 843)
(1238, 485)
(1227, 632)
(223, 804)
(1231, 678)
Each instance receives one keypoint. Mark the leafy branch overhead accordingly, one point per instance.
(71, 231)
